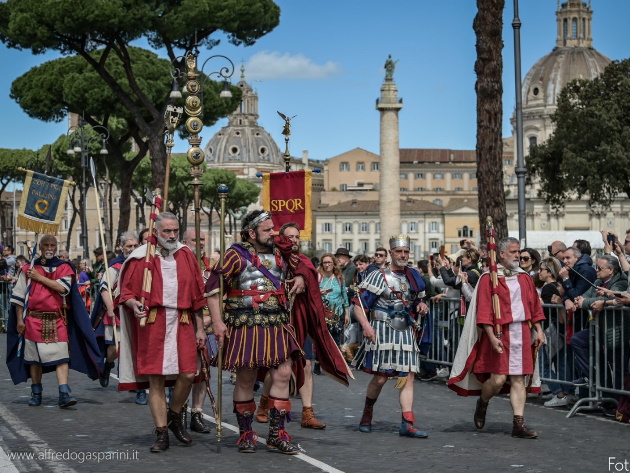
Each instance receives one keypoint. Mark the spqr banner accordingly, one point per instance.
(43, 203)
(287, 195)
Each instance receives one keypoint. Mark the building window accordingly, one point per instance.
(374, 167)
(327, 227)
(438, 175)
(347, 227)
(344, 166)
(403, 189)
(419, 189)
(364, 227)
(327, 246)
(65, 224)
(473, 175)
(533, 142)
(465, 232)
(413, 227)
(377, 228)
(475, 189)
(434, 227)
(433, 244)
(456, 175)
(365, 245)
(507, 162)
(565, 31)
(459, 189)
(347, 245)
(438, 202)
(419, 175)
(403, 175)
(343, 187)
(574, 28)
(360, 166)
(438, 189)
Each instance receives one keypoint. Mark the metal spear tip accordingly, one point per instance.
(223, 189)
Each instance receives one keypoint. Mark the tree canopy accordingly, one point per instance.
(82, 27)
(589, 151)
(51, 90)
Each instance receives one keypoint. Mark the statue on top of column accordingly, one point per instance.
(390, 65)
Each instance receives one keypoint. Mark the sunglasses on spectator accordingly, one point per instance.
(599, 268)
(626, 242)
(379, 255)
(525, 258)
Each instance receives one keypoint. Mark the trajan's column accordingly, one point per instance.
(389, 194)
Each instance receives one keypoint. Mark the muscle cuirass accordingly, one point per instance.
(253, 279)
(397, 287)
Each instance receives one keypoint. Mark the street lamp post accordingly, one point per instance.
(82, 143)
(520, 170)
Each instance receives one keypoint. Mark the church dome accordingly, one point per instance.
(243, 141)
(573, 57)
(546, 79)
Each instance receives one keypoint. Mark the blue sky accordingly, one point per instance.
(324, 63)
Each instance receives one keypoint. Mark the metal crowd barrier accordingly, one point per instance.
(609, 349)
(447, 328)
(5, 297)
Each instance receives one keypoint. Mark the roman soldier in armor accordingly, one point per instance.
(391, 298)
(256, 335)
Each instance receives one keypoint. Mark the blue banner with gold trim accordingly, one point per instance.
(43, 203)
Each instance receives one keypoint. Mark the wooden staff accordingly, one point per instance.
(492, 253)
(147, 280)
(100, 228)
(223, 193)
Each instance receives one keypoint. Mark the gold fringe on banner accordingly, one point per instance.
(37, 227)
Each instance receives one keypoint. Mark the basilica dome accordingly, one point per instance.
(243, 142)
(572, 58)
(546, 79)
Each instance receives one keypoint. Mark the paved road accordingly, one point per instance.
(108, 423)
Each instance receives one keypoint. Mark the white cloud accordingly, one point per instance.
(268, 65)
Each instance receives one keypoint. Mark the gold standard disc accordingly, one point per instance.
(194, 125)
(192, 86)
(195, 156)
(193, 105)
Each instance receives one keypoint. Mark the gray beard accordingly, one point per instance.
(512, 265)
(49, 254)
(169, 245)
